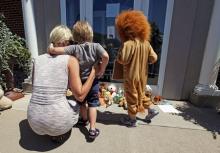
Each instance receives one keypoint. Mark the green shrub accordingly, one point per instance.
(12, 52)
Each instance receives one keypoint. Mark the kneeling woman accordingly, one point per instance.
(49, 112)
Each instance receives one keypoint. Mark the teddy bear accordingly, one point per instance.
(112, 89)
(5, 103)
(105, 97)
(108, 98)
(155, 99)
(148, 91)
(102, 89)
(123, 103)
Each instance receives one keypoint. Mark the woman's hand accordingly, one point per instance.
(79, 91)
(93, 71)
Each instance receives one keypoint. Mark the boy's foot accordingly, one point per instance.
(82, 122)
(128, 121)
(93, 133)
(151, 113)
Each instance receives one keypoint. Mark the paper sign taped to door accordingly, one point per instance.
(112, 10)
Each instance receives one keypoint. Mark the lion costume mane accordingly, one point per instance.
(135, 54)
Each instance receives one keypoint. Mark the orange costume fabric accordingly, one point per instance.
(135, 54)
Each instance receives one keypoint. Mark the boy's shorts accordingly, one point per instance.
(92, 98)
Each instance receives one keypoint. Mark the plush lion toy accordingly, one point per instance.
(135, 54)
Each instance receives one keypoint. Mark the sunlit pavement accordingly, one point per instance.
(193, 130)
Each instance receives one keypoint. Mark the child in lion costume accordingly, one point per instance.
(135, 54)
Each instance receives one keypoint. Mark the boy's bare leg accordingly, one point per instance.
(92, 117)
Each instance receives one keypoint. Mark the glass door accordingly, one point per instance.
(104, 14)
(101, 15)
(72, 12)
(156, 16)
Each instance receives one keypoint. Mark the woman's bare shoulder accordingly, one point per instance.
(72, 59)
(73, 62)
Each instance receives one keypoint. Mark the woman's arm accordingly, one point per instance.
(79, 91)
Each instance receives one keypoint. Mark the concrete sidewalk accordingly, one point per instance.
(194, 130)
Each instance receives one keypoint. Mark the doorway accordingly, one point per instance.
(101, 15)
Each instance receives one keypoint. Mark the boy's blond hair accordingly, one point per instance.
(82, 32)
(60, 33)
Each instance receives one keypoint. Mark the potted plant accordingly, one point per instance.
(13, 54)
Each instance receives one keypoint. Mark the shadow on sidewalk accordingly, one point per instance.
(109, 118)
(205, 117)
(33, 142)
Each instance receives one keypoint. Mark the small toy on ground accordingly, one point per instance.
(123, 103)
(108, 98)
(105, 96)
(148, 91)
(102, 89)
(155, 99)
(112, 89)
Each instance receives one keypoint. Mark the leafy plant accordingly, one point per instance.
(12, 52)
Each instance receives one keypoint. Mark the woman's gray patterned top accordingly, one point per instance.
(49, 112)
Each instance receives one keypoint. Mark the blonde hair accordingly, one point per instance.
(60, 33)
(82, 32)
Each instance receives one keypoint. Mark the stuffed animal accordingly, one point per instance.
(157, 100)
(112, 89)
(123, 103)
(5, 103)
(103, 98)
(148, 93)
(108, 98)
(116, 98)
(102, 89)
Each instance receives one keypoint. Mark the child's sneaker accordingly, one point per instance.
(128, 121)
(93, 133)
(151, 113)
(82, 122)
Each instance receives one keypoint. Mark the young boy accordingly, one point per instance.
(88, 54)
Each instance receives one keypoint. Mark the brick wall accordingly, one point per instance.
(12, 10)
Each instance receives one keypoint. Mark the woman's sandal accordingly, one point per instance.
(57, 139)
(93, 133)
